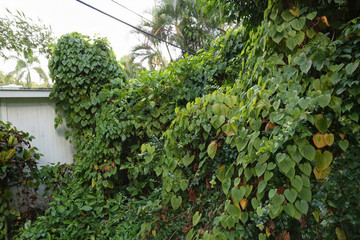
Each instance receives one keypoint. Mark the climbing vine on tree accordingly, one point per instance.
(255, 139)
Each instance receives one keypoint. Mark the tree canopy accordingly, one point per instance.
(22, 35)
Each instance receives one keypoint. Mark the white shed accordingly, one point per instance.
(31, 110)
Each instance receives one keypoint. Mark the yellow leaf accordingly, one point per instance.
(9, 154)
(153, 233)
(320, 174)
(329, 139)
(325, 20)
(340, 234)
(93, 183)
(234, 202)
(220, 171)
(267, 232)
(316, 216)
(295, 13)
(319, 140)
(96, 167)
(243, 203)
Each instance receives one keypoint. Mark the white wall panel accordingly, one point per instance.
(36, 116)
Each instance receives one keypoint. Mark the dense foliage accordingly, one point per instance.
(256, 138)
(17, 168)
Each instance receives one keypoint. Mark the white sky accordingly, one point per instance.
(65, 16)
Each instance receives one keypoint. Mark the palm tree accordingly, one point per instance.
(151, 53)
(6, 79)
(24, 69)
(131, 68)
(181, 23)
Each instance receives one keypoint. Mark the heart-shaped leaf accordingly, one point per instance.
(297, 183)
(344, 144)
(278, 199)
(268, 175)
(196, 218)
(260, 169)
(305, 168)
(321, 123)
(320, 174)
(291, 43)
(351, 67)
(211, 150)
(207, 127)
(237, 194)
(187, 160)
(298, 23)
(302, 206)
(176, 202)
(307, 151)
(319, 140)
(226, 185)
(329, 139)
(290, 195)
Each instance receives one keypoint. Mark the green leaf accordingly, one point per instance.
(268, 175)
(324, 100)
(272, 193)
(299, 37)
(305, 194)
(305, 66)
(290, 195)
(302, 206)
(323, 160)
(311, 15)
(207, 127)
(321, 123)
(187, 160)
(354, 116)
(61, 208)
(287, 16)
(278, 199)
(226, 186)
(351, 67)
(184, 184)
(261, 186)
(86, 208)
(298, 23)
(175, 201)
(217, 121)
(304, 103)
(237, 193)
(289, 209)
(196, 218)
(307, 151)
(278, 37)
(233, 211)
(260, 169)
(343, 144)
(310, 33)
(297, 183)
(305, 168)
(211, 150)
(291, 43)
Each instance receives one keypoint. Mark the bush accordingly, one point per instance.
(17, 168)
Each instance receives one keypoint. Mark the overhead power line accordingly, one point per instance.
(132, 11)
(132, 26)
